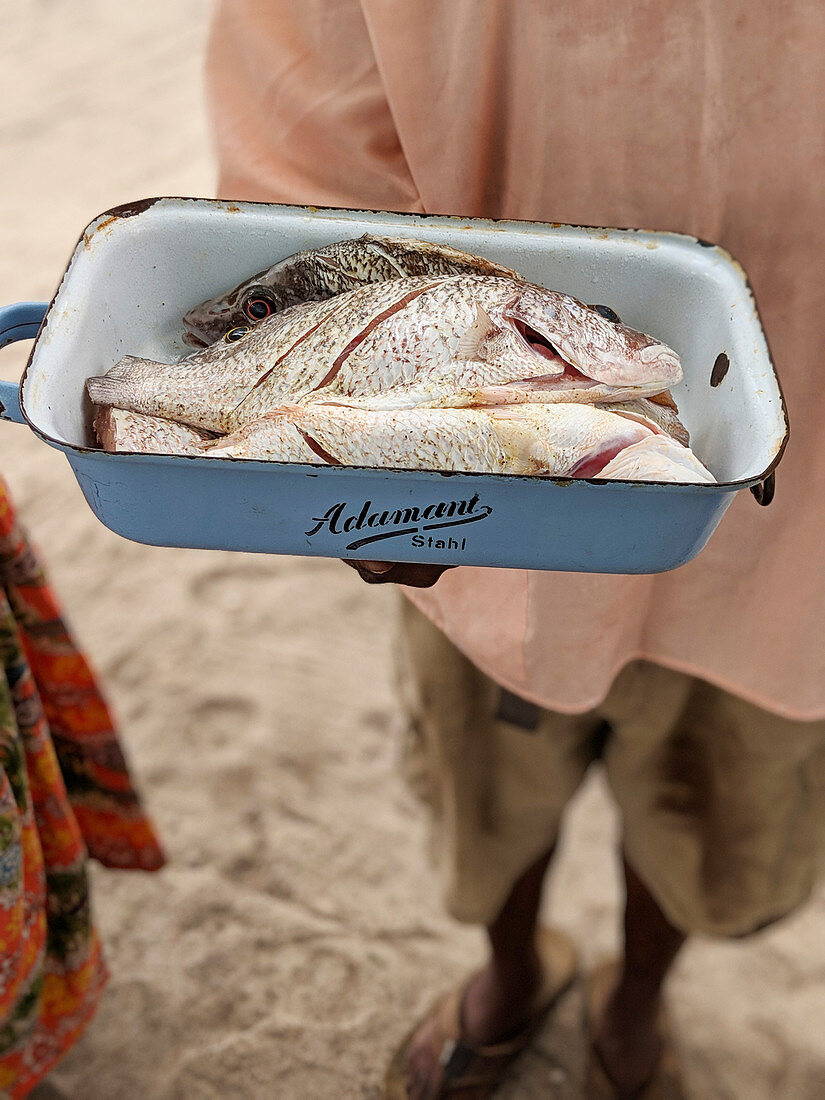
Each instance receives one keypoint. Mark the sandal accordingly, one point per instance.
(472, 1073)
(666, 1081)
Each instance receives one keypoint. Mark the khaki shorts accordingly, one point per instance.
(723, 804)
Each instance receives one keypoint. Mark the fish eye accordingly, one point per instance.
(259, 305)
(608, 314)
(236, 333)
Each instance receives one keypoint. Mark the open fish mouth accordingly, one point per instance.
(193, 340)
(204, 328)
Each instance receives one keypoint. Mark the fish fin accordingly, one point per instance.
(639, 418)
(375, 244)
(334, 267)
(471, 344)
(115, 385)
(665, 399)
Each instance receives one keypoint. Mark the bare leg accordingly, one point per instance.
(627, 1040)
(497, 1001)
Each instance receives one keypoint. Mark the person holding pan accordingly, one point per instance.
(699, 692)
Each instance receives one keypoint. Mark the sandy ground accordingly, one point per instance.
(296, 931)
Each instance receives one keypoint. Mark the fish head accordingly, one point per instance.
(247, 304)
(594, 347)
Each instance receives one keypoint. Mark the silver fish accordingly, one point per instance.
(316, 274)
(443, 341)
(563, 440)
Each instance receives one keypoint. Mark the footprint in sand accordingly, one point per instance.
(319, 984)
(274, 595)
(218, 721)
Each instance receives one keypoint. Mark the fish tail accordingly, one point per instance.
(117, 384)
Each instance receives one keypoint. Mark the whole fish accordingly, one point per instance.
(316, 274)
(422, 341)
(562, 440)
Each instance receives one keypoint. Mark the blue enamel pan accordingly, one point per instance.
(138, 269)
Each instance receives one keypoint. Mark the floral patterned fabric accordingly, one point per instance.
(65, 795)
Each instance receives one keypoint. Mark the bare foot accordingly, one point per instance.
(495, 1007)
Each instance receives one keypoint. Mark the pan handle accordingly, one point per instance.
(20, 321)
(763, 492)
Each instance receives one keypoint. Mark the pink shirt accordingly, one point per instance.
(703, 119)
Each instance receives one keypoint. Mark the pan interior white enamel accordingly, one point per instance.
(132, 278)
